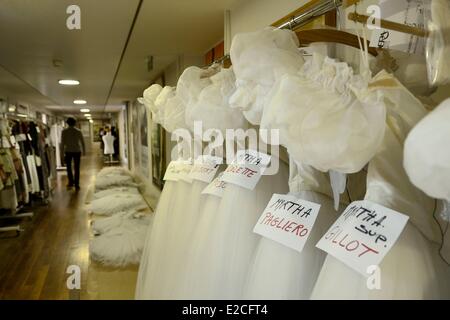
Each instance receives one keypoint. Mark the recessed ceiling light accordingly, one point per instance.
(85, 110)
(87, 115)
(91, 121)
(69, 82)
(79, 101)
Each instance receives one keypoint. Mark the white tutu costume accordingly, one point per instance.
(116, 190)
(197, 266)
(121, 241)
(279, 272)
(115, 203)
(412, 269)
(160, 277)
(233, 242)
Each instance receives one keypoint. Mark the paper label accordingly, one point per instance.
(172, 171)
(288, 220)
(13, 140)
(205, 169)
(184, 171)
(21, 137)
(246, 169)
(216, 187)
(363, 235)
(29, 137)
(38, 130)
(411, 13)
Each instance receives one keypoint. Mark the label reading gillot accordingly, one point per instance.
(288, 220)
(363, 234)
(247, 168)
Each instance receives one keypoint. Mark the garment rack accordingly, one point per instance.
(316, 8)
(305, 14)
(14, 215)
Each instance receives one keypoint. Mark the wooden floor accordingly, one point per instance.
(34, 265)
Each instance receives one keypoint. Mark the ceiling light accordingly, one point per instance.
(22, 115)
(79, 101)
(85, 110)
(69, 82)
(87, 115)
(91, 121)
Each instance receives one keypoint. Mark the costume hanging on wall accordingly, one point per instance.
(388, 185)
(297, 272)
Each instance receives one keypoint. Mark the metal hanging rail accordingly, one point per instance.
(319, 8)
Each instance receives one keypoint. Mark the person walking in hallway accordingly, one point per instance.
(73, 145)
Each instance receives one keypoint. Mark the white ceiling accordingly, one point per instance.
(165, 30)
(34, 33)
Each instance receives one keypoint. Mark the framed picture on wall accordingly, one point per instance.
(158, 147)
(143, 133)
(136, 135)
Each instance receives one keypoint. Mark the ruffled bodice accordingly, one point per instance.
(212, 107)
(259, 59)
(427, 153)
(191, 82)
(149, 97)
(326, 115)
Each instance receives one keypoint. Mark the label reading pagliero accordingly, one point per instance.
(246, 170)
(287, 220)
(363, 234)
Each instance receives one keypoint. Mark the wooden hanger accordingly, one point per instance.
(386, 24)
(309, 36)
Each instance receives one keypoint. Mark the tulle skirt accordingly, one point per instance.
(279, 272)
(412, 270)
(164, 251)
(232, 242)
(185, 220)
(154, 241)
(196, 281)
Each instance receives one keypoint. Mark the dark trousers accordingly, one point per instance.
(76, 156)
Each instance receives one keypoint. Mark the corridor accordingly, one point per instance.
(34, 264)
